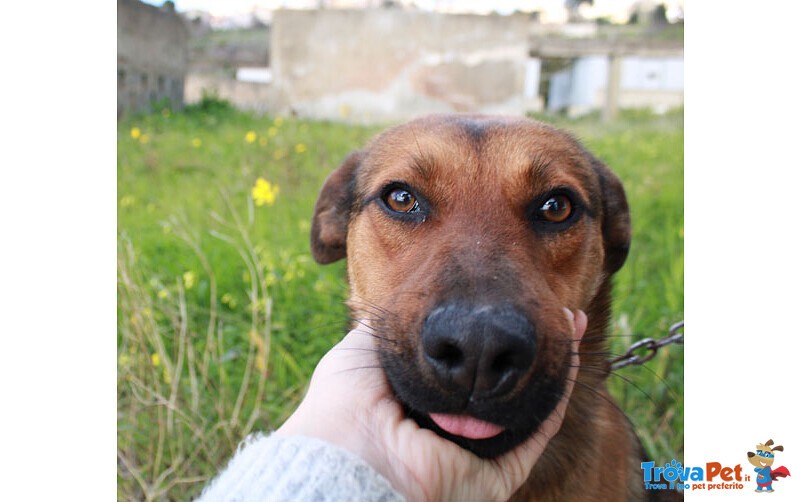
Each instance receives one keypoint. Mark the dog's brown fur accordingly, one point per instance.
(476, 240)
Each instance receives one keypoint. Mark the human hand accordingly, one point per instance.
(349, 403)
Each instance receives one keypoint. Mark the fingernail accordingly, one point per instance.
(570, 314)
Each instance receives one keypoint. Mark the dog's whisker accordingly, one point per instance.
(594, 391)
(376, 336)
(579, 353)
(658, 377)
(624, 379)
(377, 383)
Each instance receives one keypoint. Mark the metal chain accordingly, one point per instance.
(651, 346)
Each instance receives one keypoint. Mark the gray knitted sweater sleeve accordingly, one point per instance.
(278, 468)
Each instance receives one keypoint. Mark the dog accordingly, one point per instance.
(465, 237)
(762, 459)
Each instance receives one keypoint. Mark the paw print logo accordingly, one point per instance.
(672, 472)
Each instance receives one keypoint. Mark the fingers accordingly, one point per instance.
(357, 338)
(578, 320)
(580, 325)
(356, 349)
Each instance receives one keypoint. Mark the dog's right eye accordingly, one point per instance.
(556, 210)
(401, 200)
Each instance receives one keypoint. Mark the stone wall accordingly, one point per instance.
(152, 56)
(387, 64)
(252, 96)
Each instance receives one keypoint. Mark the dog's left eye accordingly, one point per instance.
(556, 209)
(401, 200)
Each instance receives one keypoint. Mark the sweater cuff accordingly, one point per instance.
(278, 467)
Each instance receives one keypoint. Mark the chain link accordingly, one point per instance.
(647, 344)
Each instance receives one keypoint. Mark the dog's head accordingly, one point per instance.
(466, 237)
(764, 455)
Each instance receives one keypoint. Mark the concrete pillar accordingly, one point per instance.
(611, 109)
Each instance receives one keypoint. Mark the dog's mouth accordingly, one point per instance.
(487, 429)
(481, 436)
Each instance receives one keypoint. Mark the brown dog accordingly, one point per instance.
(466, 236)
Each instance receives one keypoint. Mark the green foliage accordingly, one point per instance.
(223, 314)
(210, 105)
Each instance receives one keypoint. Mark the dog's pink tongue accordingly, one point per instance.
(466, 426)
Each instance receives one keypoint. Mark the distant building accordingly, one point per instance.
(646, 82)
(152, 56)
(392, 64)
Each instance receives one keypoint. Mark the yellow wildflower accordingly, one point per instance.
(162, 294)
(261, 350)
(197, 142)
(229, 300)
(188, 279)
(155, 359)
(250, 137)
(144, 139)
(272, 132)
(344, 111)
(279, 153)
(263, 141)
(264, 192)
(300, 148)
(127, 201)
(136, 133)
(278, 121)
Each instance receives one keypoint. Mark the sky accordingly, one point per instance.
(232, 7)
(229, 7)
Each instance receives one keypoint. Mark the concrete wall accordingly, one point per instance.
(253, 96)
(386, 64)
(152, 56)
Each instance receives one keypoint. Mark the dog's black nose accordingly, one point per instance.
(482, 350)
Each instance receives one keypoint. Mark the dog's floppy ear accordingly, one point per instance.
(616, 217)
(332, 212)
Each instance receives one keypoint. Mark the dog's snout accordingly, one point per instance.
(483, 351)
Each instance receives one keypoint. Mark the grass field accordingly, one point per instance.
(223, 314)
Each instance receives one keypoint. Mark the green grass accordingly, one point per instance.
(223, 314)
